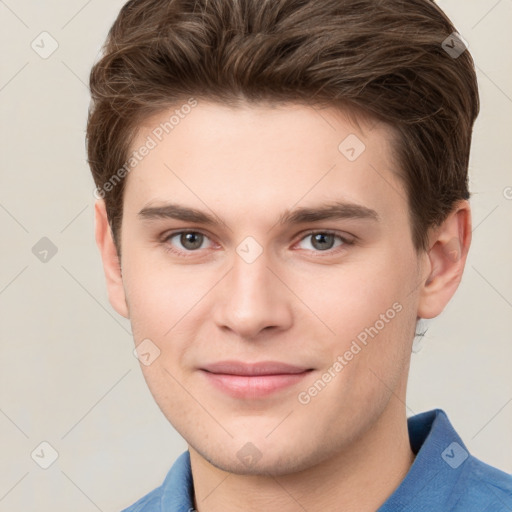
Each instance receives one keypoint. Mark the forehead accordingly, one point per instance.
(262, 159)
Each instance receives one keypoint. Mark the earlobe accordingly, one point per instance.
(449, 246)
(110, 259)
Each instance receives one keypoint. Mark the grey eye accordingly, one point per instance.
(321, 241)
(189, 240)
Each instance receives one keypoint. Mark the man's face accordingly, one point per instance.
(335, 298)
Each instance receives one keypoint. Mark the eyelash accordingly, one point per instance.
(186, 254)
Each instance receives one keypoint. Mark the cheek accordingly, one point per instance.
(364, 364)
(161, 295)
(352, 297)
(372, 314)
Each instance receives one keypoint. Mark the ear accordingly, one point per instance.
(449, 245)
(111, 263)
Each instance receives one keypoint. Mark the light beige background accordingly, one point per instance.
(68, 375)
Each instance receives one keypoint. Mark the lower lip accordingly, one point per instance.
(255, 386)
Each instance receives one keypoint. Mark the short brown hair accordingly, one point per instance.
(384, 59)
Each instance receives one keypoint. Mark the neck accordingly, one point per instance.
(360, 478)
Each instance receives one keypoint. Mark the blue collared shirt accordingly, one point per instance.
(443, 477)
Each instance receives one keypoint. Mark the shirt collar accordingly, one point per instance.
(178, 487)
(439, 464)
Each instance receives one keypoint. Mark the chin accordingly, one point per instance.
(267, 461)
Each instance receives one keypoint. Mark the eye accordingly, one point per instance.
(322, 241)
(189, 240)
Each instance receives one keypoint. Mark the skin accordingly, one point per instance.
(347, 448)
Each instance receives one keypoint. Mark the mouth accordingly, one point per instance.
(253, 380)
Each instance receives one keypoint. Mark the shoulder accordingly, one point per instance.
(483, 486)
(445, 476)
(176, 492)
(149, 503)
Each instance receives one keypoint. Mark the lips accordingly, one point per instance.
(253, 369)
(253, 380)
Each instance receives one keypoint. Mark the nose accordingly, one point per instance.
(252, 298)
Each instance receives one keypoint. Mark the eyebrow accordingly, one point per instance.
(329, 211)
